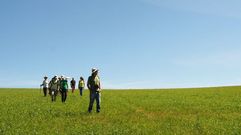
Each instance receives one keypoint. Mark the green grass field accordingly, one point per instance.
(181, 111)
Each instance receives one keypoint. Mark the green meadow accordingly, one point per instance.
(194, 111)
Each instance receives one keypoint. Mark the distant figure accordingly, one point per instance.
(45, 85)
(95, 89)
(53, 85)
(72, 83)
(64, 88)
(81, 85)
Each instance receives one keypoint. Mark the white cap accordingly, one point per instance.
(94, 70)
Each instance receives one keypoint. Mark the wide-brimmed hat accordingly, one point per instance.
(94, 70)
(45, 76)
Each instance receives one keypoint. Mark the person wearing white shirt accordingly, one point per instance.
(45, 85)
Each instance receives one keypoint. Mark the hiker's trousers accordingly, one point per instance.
(95, 96)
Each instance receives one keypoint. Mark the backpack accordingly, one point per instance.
(65, 84)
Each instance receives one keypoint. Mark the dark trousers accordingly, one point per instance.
(64, 95)
(53, 94)
(81, 91)
(95, 96)
(73, 88)
(60, 91)
(45, 91)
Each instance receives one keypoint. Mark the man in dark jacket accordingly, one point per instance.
(73, 83)
(93, 85)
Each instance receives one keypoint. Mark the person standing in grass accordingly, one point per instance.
(60, 80)
(45, 85)
(53, 85)
(81, 85)
(64, 88)
(72, 83)
(93, 85)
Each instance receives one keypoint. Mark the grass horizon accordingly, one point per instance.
(171, 88)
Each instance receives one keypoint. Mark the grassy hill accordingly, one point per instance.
(179, 111)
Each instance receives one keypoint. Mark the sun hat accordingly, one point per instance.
(94, 70)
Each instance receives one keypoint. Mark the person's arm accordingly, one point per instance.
(50, 84)
(79, 85)
(42, 84)
(99, 86)
(99, 82)
(67, 86)
(74, 83)
(88, 83)
(58, 85)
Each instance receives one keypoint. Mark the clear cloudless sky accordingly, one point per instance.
(134, 43)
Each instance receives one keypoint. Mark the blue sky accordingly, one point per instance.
(134, 43)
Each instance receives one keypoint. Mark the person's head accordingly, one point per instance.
(55, 77)
(45, 78)
(81, 78)
(72, 78)
(94, 71)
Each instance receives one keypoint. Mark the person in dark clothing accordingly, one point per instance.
(53, 86)
(64, 88)
(94, 87)
(72, 83)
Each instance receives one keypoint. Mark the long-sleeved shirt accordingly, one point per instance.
(54, 84)
(45, 84)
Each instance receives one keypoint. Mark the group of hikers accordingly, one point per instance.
(60, 85)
